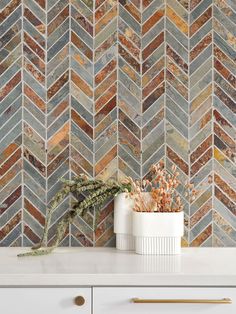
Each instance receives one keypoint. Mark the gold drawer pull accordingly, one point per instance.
(79, 300)
(198, 301)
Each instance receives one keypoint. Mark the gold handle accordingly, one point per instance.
(198, 301)
(79, 300)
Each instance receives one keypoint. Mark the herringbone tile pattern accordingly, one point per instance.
(109, 87)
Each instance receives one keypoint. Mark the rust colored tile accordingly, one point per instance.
(128, 140)
(184, 3)
(11, 199)
(83, 22)
(98, 3)
(35, 73)
(10, 225)
(132, 10)
(81, 46)
(105, 97)
(58, 85)
(146, 3)
(225, 187)
(129, 46)
(175, 70)
(105, 72)
(105, 20)
(34, 97)
(221, 120)
(153, 84)
(104, 9)
(106, 237)
(10, 162)
(201, 21)
(31, 235)
(100, 90)
(225, 138)
(81, 84)
(153, 46)
(106, 211)
(34, 46)
(225, 72)
(35, 162)
(129, 123)
(82, 123)
(205, 42)
(101, 165)
(82, 163)
(225, 200)
(152, 21)
(200, 213)
(153, 97)
(62, 136)
(223, 57)
(202, 237)
(178, 21)
(34, 20)
(34, 59)
(201, 161)
(176, 58)
(62, 158)
(177, 160)
(225, 99)
(103, 227)
(10, 86)
(9, 9)
(155, 69)
(58, 21)
(34, 212)
(131, 61)
(203, 147)
(8, 152)
(10, 175)
(177, 85)
(59, 109)
(205, 119)
(194, 3)
(41, 3)
(105, 110)
(75, 168)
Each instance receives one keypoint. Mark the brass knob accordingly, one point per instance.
(79, 300)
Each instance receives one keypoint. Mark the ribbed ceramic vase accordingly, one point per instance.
(123, 209)
(158, 233)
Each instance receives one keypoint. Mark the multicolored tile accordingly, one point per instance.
(109, 87)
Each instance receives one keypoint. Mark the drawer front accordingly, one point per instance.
(44, 300)
(120, 300)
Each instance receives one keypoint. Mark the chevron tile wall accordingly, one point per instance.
(109, 87)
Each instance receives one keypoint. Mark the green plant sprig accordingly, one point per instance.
(99, 192)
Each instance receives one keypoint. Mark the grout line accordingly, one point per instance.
(22, 122)
(70, 108)
(212, 121)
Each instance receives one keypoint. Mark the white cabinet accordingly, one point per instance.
(44, 300)
(120, 300)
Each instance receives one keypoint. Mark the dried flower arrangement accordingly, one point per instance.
(90, 193)
(162, 188)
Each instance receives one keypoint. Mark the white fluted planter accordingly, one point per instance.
(158, 233)
(123, 209)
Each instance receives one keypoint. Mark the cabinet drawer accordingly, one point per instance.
(44, 300)
(120, 300)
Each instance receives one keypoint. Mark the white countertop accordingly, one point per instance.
(109, 267)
